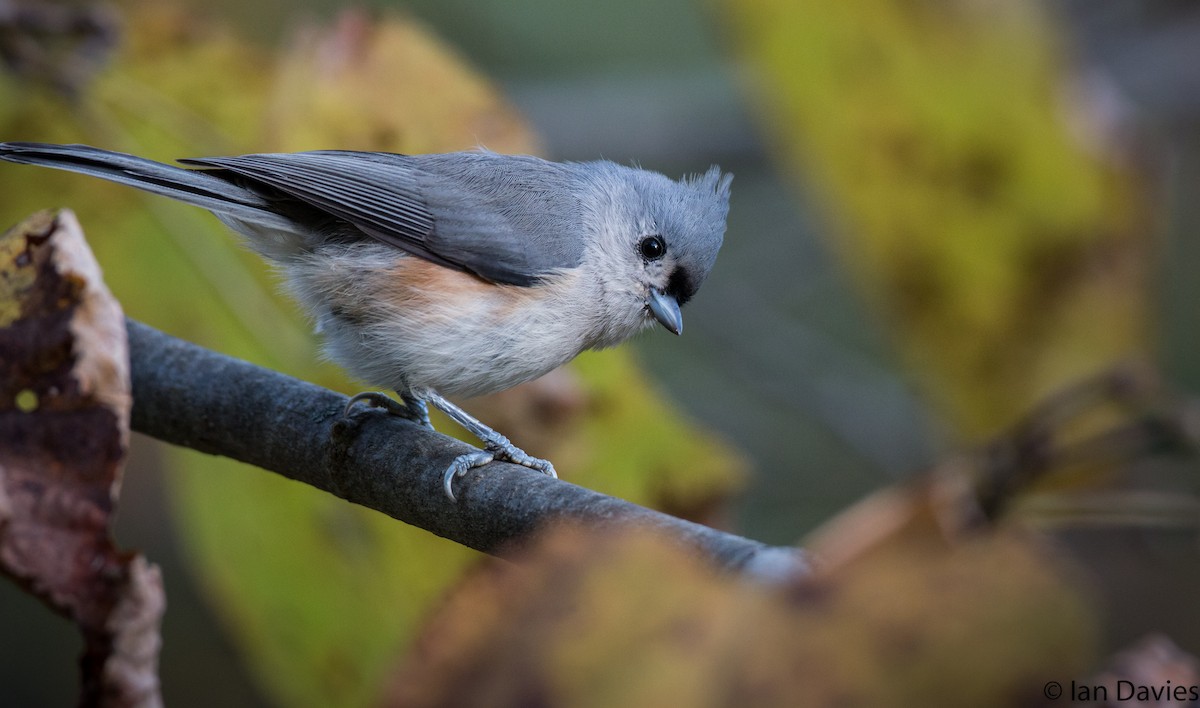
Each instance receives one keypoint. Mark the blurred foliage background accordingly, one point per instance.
(942, 213)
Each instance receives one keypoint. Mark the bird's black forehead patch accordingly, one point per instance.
(681, 285)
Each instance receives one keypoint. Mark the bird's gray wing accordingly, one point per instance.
(492, 215)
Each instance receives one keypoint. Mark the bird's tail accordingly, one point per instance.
(196, 187)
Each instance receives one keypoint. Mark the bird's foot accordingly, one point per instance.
(498, 448)
(495, 447)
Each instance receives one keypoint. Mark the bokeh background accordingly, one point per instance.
(941, 214)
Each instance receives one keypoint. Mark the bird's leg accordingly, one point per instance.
(413, 409)
(495, 446)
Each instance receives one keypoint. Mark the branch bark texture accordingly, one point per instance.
(190, 396)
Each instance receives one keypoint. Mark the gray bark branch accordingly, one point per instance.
(187, 395)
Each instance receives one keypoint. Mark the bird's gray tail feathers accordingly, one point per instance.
(196, 187)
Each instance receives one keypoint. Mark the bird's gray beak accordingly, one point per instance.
(666, 310)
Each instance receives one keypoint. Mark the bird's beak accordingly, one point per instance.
(666, 310)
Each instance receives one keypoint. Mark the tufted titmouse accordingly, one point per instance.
(462, 274)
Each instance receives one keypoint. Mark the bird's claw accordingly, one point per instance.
(459, 467)
(512, 453)
(375, 399)
(413, 408)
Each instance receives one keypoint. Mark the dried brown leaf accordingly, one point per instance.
(64, 428)
(631, 619)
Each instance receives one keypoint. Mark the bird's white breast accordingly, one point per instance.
(402, 322)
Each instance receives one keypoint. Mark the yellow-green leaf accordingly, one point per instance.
(1005, 251)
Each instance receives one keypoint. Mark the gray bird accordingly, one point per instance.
(455, 274)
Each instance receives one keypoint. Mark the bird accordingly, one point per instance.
(452, 274)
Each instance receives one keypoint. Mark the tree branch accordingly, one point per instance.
(190, 396)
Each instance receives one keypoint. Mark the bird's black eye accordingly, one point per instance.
(652, 247)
